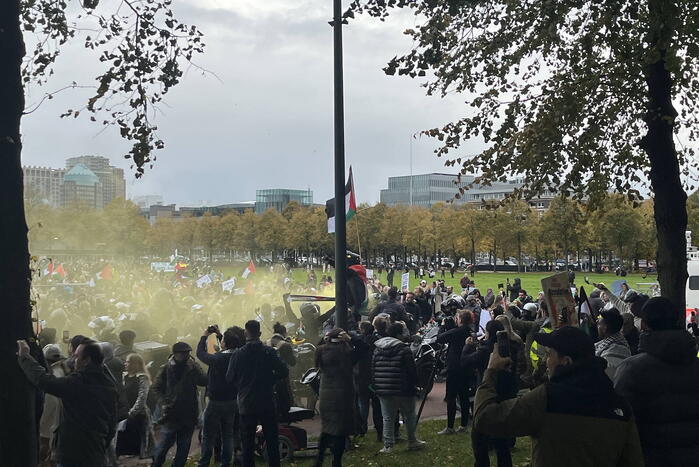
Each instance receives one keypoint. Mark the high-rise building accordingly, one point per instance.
(278, 198)
(43, 184)
(81, 187)
(111, 178)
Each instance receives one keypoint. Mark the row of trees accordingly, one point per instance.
(617, 228)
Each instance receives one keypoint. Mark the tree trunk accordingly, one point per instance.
(18, 445)
(670, 201)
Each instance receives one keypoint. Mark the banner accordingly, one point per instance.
(162, 266)
(405, 282)
(560, 301)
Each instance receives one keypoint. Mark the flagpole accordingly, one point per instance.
(340, 220)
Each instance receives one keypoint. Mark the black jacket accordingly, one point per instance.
(393, 308)
(662, 385)
(456, 338)
(88, 415)
(393, 368)
(176, 387)
(254, 369)
(217, 388)
(425, 309)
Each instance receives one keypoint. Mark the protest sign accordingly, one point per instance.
(484, 318)
(560, 301)
(369, 273)
(405, 282)
(228, 285)
(203, 280)
(162, 266)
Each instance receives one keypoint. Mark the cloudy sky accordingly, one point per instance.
(266, 120)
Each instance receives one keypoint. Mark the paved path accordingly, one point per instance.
(434, 408)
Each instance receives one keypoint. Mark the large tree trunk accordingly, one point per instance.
(18, 441)
(670, 202)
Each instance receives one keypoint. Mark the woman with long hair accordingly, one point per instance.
(136, 434)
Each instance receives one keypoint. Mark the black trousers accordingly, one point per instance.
(337, 447)
(248, 428)
(481, 444)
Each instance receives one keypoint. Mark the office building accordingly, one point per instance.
(81, 187)
(43, 184)
(278, 198)
(146, 201)
(428, 189)
(111, 178)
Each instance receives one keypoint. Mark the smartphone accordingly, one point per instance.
(66, 337)
(501, 286)
(503, 344)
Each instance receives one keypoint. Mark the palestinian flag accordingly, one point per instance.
(250, 269)
(105, 273)
(350, 204)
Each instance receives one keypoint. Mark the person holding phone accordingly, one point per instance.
(575, 419)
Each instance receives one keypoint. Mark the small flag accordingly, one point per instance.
(350, 204)
(60, 271)
(250, 269)
(105, 273)
(49, 268)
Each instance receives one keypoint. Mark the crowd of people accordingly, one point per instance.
(618, 389)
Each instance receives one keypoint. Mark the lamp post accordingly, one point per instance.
(340, 219)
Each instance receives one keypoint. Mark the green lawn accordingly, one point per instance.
(441, 450)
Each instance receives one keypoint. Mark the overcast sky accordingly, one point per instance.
(268, 121)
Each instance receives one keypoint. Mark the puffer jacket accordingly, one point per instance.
(662, 385)
(393, 368)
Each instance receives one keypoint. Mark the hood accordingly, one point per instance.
(674, 346)
(584, 377)
(388, 343)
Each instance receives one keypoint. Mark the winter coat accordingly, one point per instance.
(362, 369)
(456, 338)
(136, 392)
(336, 395)
(575, 420)
(217, 388)
(393, 308)
(514, 289)
(393, 368)
(88, 414)
(662, 385)
(254, 369)
(176, 388)
(614, 350)
(425, 309)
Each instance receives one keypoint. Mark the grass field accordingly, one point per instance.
(451, 450)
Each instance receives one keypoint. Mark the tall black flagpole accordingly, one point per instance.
(340, 219)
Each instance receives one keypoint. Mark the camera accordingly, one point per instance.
(213, 329)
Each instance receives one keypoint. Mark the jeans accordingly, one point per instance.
(481, 442)
(169, 436)
(219, 423)
(248, 428)
(389, 408)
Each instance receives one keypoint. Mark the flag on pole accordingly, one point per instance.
(250, 269)
(350, 204)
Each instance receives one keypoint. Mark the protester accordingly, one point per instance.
(362, 376)
(254, 369)
(335, 359)
(613, 346)
(392, 307)
(50, 416)
(578, 401)
(125, 347)
(395, 380)
(176, 388)
(630, 332)
(412, 310)
(282, 389)
(220, 419)
(457, 385)
(136, 438)
(88, 404)
(514, 289)
(662, 383)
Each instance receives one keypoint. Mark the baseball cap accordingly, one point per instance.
(568, 341)
(181, 347)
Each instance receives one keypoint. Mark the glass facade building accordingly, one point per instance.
(278, 198)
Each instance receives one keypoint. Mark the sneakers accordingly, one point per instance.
(446, 431)
(461, 429)
(415, 444)
(386, 450)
